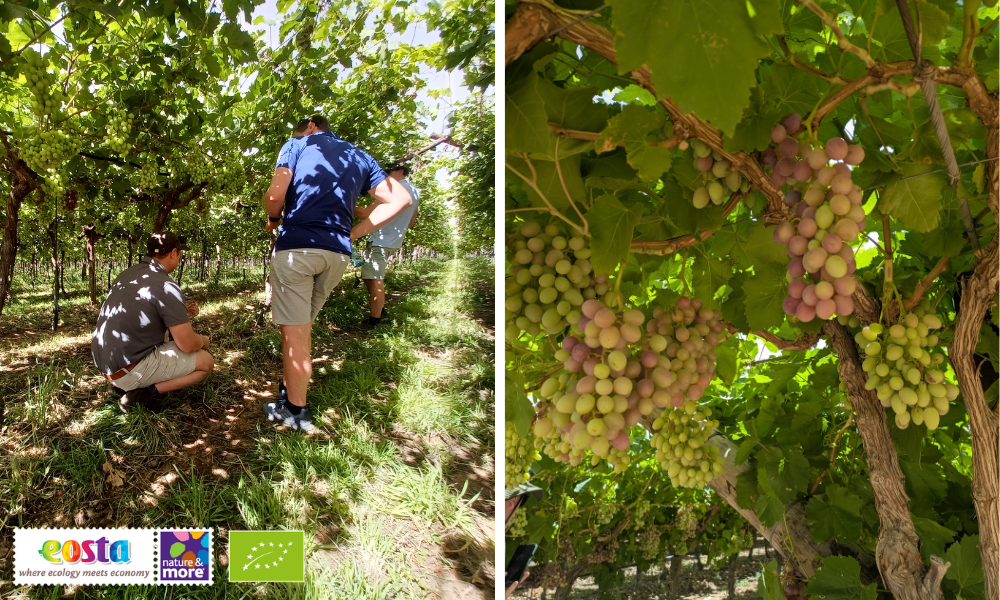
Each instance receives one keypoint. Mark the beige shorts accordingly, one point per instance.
(301, 281)
(376, 262)
(165, 362)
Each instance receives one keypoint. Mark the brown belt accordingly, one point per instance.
(121, 372)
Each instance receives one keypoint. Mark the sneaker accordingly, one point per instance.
(142, 397)
(277, 413)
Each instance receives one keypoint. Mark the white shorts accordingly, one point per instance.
(377, 262)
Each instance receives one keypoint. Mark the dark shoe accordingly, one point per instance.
(277, 413)
(144, 398)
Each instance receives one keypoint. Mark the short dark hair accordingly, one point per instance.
(321, 122)
(405, 169)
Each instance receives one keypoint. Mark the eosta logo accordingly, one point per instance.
(86, 552)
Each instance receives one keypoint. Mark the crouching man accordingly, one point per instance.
(143, 304)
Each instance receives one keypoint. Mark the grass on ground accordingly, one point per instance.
(395, 490)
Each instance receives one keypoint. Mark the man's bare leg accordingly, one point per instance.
(376, 289)
(296, 346)
(203, 365)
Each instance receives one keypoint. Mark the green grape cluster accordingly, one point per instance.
(570, 509)
(119, 129)
(47, 97)
(519, 453)
(640, 511)
(717, 180)
(45, 153)
(231, 177)
(680, 440)
(518, 524)
(606, 511)
(649, 543)
(551, 277)
(196, 166)
(149, 173)
(905, 369)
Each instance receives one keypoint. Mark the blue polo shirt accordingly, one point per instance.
(328, 176)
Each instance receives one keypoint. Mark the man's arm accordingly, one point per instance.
(274, 198)
(186, 339)
(413, 219)
(391, 198)
(364, 213)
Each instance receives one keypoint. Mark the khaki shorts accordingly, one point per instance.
(376, 262)
(165, 362)
(301, 281)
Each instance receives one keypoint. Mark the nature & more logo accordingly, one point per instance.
(185, 556)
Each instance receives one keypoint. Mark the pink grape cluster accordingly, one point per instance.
(794, 587)
(619, 366)
(829, 217)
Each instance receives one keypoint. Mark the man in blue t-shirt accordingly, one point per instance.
(317, 181)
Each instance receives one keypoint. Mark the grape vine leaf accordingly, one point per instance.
(837, 517)
(840, 579)
(611, 228)
(780, 377)
(517, 408)
(765, 291)
(769, 510)
(573, 109)
(792, 90)
(966, 569)
(924, 483)
(746, 448)
(787, 472)
(754, 131)
(933, 536)
(702, 53)
(915, 202)
(756, 248)
(732, 308)
(945, 240)
(527, 128)
(769, 582)
(726, 364)
(709, 276)
(548, 182)
(631, 128)
(747, 489)
(633, 93)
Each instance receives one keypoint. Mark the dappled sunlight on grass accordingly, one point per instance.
(394, 489)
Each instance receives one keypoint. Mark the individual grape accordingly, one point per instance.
(836, 148)
(778, 133)
(788, 148)
(785, 167)
(855, 154)
(784, 232)
(768, 158)
(791, 122)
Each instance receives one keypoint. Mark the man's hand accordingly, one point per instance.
(192, 308)
(513, 586)
(272, 225)
(205, 341)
